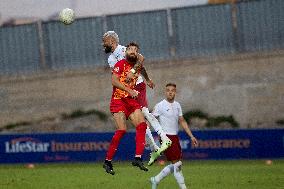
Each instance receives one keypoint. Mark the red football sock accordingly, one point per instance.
(140, 138)
(114, 143)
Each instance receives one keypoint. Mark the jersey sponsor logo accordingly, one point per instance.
(116, 69)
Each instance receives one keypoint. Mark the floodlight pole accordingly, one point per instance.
(41, 46)
(171, 33)
(234, 20)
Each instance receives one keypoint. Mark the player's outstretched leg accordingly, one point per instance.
(166, 142)
(153, 157)
(150, 140)
(108, 167)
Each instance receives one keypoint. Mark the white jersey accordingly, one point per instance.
(117, 55)
(168, 115)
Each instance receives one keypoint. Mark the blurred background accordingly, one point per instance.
(226, 57)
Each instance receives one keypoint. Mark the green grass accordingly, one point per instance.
(231, 174)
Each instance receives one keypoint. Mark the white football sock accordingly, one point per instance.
(178, 175)
(154, 123)
(165, 172)
(150, 140)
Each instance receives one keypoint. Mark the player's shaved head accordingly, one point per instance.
(111, 34)
(110, 41)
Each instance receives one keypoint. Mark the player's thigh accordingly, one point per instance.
(174, 153)
(120, 120)
(137, 117)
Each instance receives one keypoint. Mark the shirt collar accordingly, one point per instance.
(169, 102)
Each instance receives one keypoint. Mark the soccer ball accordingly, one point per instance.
(67, 16)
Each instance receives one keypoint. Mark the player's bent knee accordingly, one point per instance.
(178, 165)
(150, 117)
(139, 117)
(121, 127)
(141, 120)
(145, 111)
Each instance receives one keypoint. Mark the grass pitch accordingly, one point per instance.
(229, 174)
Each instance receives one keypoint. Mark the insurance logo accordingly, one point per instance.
(26, 145)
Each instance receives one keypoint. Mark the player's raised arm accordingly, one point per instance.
(149, 81)
(140, 58)
(139, 67)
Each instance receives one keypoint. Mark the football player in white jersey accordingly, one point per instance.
(169, 114)
(111, 45)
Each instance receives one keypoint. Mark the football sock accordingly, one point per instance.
(165, 172)
(154, 123)
(140, 138)
(150, 140)
(114, 143)
(178, 175)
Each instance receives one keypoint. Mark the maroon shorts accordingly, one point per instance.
(174, 151)
(126, 105)
(142, 98)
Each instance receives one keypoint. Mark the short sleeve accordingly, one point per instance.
(156, 111)
(179, 110)
(120, 54)
(123, 50)
(111, 61)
